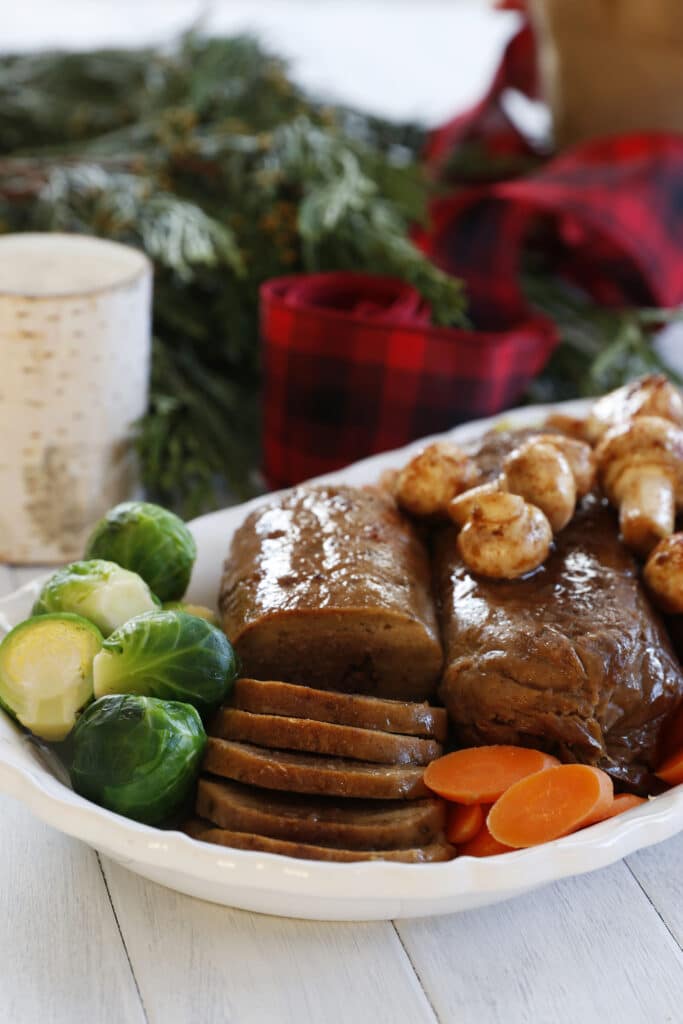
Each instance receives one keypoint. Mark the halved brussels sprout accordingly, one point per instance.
(149, 540)
(46, 672)
(171, 655)
(137, 756)
(199, 610)
(100, 591)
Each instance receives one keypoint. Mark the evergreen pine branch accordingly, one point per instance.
(208, 157)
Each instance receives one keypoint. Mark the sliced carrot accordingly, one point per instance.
(479, 775)
(671, 770)
(550, 804)
(483, 845)
(464, 822)
(621, 803)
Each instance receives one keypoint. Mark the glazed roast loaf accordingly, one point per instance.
(330, 587)
(573, 659)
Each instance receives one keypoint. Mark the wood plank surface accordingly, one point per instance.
(63, 960)
(659, 870)
(589, 949)
(253, 969)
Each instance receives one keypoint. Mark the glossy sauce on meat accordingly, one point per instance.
(573, 659)
(330, 587)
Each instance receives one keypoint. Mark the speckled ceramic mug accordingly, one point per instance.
(74, 373)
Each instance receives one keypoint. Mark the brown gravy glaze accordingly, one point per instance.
(573, 659)
(330, 587)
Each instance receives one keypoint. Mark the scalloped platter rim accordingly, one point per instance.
(273, 884)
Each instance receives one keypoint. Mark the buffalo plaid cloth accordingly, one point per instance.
(607, 215)
(352, 366)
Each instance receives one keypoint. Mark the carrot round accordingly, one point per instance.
(550, 804)
(464, 822)
(479, 775)
(623, 802)
(671, 770)
(483, 845)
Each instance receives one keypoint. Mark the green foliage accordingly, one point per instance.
(138, 756)
(148, 540)
(600, 348)
(171, 655)
(209, 158)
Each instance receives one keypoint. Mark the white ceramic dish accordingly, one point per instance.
(280, 885)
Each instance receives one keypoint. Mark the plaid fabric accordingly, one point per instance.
(607, 215)
(352, 366)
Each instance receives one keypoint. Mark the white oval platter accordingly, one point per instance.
(272, 884)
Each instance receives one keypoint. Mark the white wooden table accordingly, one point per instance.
(83, 940)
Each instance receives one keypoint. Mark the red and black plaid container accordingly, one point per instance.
(353, 366)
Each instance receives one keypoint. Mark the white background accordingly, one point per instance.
(421, 59)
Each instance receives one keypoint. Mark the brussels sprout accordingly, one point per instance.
(193, 609)
(148, 540)
(137, 756)
(46, 672)
(171, 655)
(100, 591)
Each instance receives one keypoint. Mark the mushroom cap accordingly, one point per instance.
(579, 455)
(663, 574)
(432, 477)
(505, 537)
(653, 395)
(566, 425)
(646, 441)
(540, 473)
(461, 507)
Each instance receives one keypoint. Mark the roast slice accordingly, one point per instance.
(353, 824)
(307, 773)
(348, 824)
(436, 851)
(330, 587)
(304, 734)
(276, 698)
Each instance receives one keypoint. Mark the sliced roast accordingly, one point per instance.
(350, 824)
(436, 851)
(573, 659)
(330, 587)
(307, 773)
(409, 718)
(281, 733)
